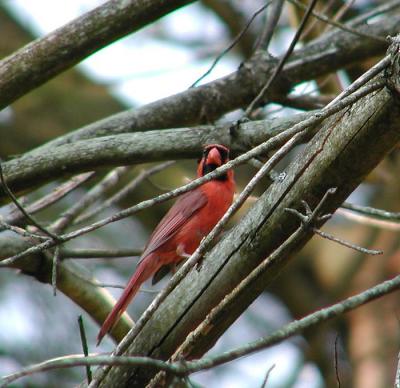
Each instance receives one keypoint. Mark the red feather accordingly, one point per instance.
(181, 230)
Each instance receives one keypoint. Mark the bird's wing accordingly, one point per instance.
(183, 209)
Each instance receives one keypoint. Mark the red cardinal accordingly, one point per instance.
(179, 233)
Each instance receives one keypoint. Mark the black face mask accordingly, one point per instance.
(211, 167)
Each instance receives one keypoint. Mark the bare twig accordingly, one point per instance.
(362, 80)
(270, 24)
(125, 191)
(122, 287)
(368, 220)
(339, 14)
(61, 191)
(21, 231)
(372, 212)
(110, 180)
(347, 244)
(386, 7)
(335, 362)
(84, 347)
(94, 253)
(21, 208)
(264, 383)
(56, 260)
(71, 361)
(337, 24)
(312, 217)
(283, 60)
(232, 44)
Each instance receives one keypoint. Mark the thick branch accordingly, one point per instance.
(39, 167)
(208, 102)
(44, 58)
(332, 159)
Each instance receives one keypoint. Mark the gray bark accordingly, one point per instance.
(335, 157)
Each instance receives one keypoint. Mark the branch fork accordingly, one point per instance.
(311, 217)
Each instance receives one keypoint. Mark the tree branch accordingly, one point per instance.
(178, 368)
(332, 159)
(208, 102)
(47, 57)
(81, 289)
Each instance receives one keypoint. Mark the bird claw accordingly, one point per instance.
(311, 217)
(180, 251)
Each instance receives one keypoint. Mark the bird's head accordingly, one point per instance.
(214, 156)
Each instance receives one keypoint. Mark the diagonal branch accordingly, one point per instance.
(332, 159)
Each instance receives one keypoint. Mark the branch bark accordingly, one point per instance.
(47, 57)
(210, 101)
(141, 147)
(334, 158)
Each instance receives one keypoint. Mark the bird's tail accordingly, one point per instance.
(142, 273)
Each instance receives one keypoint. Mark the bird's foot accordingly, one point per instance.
(180, 251)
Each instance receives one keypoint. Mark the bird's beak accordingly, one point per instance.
(214, 157)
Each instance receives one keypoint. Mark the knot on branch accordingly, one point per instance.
(393, 70)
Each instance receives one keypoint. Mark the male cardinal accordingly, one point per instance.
(179, 233)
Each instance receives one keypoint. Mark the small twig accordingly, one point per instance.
(362, 80)
(93, 253)
(71, 361)
(312, 217)
(85, 348)
(21, 208)
(21, 231)
(336, 363)
(347, 244)
(339, 14)
(372, 212)
(339, 25)
(386, 7)
(282, 61)
(368, 220)
(264, 383)
(270, 24)
(56, 260)
(232, 44)
(60, 192)
(125, 191)
(110, 180)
